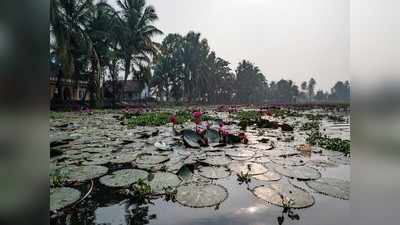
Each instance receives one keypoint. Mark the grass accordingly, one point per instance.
(159, 118)
(334, 144)
(56, 115)
(314, 125)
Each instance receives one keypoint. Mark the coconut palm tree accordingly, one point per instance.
(135, 32)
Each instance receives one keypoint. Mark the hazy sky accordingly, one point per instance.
(291, 39)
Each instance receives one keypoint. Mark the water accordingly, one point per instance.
(105, 207)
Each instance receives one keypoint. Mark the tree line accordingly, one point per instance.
(93, 41)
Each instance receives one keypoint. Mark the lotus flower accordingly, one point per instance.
(173, 120)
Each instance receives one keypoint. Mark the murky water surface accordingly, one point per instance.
(105, 206)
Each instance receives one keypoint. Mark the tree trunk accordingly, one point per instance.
(127, 67)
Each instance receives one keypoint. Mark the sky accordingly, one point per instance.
(290, 39)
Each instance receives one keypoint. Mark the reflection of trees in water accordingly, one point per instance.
(138, 214)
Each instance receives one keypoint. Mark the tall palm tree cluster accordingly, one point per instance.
(93, 41)
(188, 71)
(90, 39)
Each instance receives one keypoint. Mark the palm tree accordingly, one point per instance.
(135, 32)
(68, 22)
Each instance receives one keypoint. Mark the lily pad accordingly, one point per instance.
(321, 163)
(341, 160)
(123, 178)
(162, 146)
(124, 157)
(212, 137)
(281, 194)
(299, 172)
(214, 172)
(62, 197)
(200, 196)
(151, 159)
(262, 159)
(290, 161)
(191, 138)
(332, 187)
(83, 173)
(240, 153)
(163, 180)
(268, 176)
(217, 160)
(247, 167)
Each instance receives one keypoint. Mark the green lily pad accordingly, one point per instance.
(290, 161)
(163, 180)
(200, 196)
(262, 159)
(212, 137)
(299, 172)
(83, 173)
(63, 197)
(123, 178)
(282, 193)
(214, 172)
(332, 187)
(217, 160)
(322, 163)
(124, 157)
(151, 159)
(162, 146)
(268, 176)
(191, 138)
(240, 153)
(247, 167)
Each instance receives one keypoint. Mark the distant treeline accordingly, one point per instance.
(93, 41)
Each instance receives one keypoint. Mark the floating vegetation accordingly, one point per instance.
(159, 118)
(200, 196)
(217, 160)
(267, 176)
(162, 181)
(246, 167)
(151, 159)
(289, 161)
(83, 173)
(124, 157)
(141, 192)
(191, 138)
(299, 172)
(331, 186)
(282, 194)
(310, 125)
(335, 144)
(214, 172)
(63, 197)
(123, 178)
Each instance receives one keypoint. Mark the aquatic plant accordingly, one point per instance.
(141, 192)
(334, 144)
(310, 125)
(287, 209)
(243, 177)
(56, 115)
(57, 179)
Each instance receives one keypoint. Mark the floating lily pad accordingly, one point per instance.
(268, 176)
(212, 137)
(191, 138)
(262, 159)
(162, 146)
(321, 163)
(299, 172)
(163, 180)
(123, 178)
(124, 157)
(240, 153)
(280, 193)
(341, 160)
(83, 173)
(151, 159)
(247, 167)
(62, 197)
(214, 172)
(217, 160)
(290, 161)
(332, 187)
(200, 196)
(96, 160)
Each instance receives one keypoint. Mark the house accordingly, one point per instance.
(134, 90)
(71, 90)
